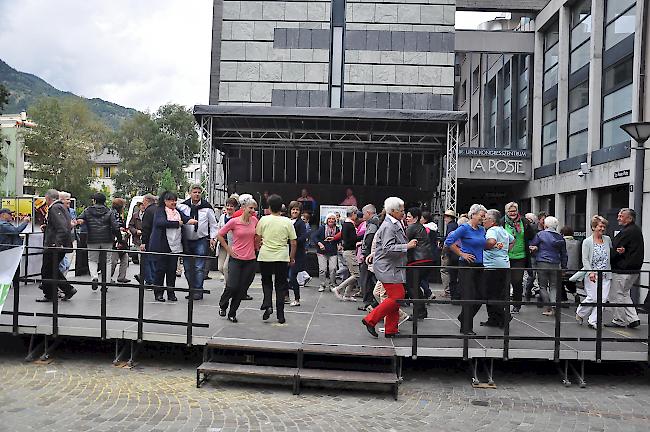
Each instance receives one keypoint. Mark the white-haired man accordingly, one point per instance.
(388, 262)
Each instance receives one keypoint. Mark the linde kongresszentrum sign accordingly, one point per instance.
(503, 164)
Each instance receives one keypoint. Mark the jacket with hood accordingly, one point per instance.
(57, 227)
(101, 224)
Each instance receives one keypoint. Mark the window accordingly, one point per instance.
(105, 172)
(522, 104)
(620, 19)
(474, 130)
(549, 132)
(578, 120)
(551, 57)
(617, 102)
(476, 75)
(462, 96)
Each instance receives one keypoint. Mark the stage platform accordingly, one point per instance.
(321, 319)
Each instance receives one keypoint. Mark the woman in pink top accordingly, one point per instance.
(241, 264)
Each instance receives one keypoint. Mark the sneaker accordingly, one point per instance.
(337, 294)
(349, 298)
(69, 294)
(294, 303)
(548, 312)
(579, 319)
(321, 288)
(515, 310)
(95, 284)
(287, 300)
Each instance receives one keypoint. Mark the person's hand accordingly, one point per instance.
(468, 257)
(339, 247)
(213, 244)
(26, 219)
(321, 246)
(329, 239)
(593, 277)
(499, 245)
(411, 244)
(138, 232)
(292, 262)
(369, 259)
(358, 244)
(80, 221)
(620, 250)
(143, 247)
(232, 253)
(532, 249)
(43, 227)
(192, 222)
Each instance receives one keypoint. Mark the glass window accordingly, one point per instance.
(618, 102)
(580, 56)
(549, 133)
(621, 28)
(549, 112)
(579, 96)
(612, 132)
(548, 154)
(579, 120)
(475, 79)
(580, 12)
(617, 75)
(550, 78)
(581, 33)
(552, 35)
(615, 7)
(551, 57)
(523, 98)
(578, 144)
(474, 130)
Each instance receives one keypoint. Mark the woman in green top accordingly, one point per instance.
(517, 226)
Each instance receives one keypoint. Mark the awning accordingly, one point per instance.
(328, 128)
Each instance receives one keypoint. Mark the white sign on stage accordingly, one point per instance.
(325, 209)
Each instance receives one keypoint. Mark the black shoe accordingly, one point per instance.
(137, 277)
(187, 297)
(44, 300)
(247, 297)
(363, 307)
(287, 300)
(222, 312)
(489, 323)
(160, 299)
(391, 335)
(634, 324)
(370, 328)
(613, 325)
(69, 294)
(95, 284)
(124, 280)
(282, 320)
(468, 332)
(206, 277)
(267, 313)
(172, 298)
(232, 319)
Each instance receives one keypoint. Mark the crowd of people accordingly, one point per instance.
(364, 256)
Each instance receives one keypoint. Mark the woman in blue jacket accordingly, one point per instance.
(301, 252)
(166, 237)
(327, 252)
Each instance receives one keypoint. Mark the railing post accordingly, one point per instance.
(599, 316)
(53, 288)
(558, 313)
(26, 258)
(190, 303)
(16, 286)
(144, 261)
(103, 254)
(508, 316)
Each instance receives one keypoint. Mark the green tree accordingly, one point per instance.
(4, 97)
(167, 182)
(150, 144)
(59, 149)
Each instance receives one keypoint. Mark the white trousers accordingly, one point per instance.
(592, 295)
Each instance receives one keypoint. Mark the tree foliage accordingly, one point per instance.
(60, 147)
(4, 97)
(151, 144)
(167, 182)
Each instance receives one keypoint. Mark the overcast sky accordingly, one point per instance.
(137, 53)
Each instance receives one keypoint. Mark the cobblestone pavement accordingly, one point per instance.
(81, 391)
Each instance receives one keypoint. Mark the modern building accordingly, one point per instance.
(11, 147)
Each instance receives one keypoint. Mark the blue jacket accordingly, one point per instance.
(330, 246)
(551, 248)
(302, 234)
(158, 240)
(9, 235)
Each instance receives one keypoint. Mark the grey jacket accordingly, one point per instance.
(587, 254)
(390, 252)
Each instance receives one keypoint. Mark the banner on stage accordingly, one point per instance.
(10, 259)
(325, 209)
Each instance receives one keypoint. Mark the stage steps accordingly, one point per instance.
(301, 364)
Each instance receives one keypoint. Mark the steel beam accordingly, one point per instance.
(451, 180)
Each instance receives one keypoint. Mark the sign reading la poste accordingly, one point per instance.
(502, 164)
(498, 166)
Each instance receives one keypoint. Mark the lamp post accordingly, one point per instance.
(639, 132)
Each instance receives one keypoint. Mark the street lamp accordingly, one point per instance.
(639, 131)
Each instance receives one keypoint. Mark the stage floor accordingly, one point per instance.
(321, 319)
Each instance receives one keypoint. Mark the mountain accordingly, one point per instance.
(26, 89)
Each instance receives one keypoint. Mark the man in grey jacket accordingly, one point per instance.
(391, 246)
(197, 238)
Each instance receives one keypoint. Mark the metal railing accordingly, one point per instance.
(506, 302)
(103, 285)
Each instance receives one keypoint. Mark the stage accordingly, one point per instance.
(320, 320)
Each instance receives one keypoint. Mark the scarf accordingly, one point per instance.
(330, 231)
(172, 214)
(515, 224)
(194, 209)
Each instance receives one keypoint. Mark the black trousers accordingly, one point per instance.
(470, 289)
(240, 276)
(50, 270)
(367, 281)
(454, 278)
(495, 287)
(277, 270)
(517, 278)
(413, 277)
(165, 270)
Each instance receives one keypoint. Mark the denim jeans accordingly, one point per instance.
(148, 263)
(195, 267)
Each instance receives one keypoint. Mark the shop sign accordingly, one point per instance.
(621, 173)
(498, 166)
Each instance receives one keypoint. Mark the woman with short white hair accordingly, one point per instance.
(549, 248)
(471, 237)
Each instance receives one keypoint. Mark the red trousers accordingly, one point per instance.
(388, 308)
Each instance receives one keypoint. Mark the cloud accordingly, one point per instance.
(139, 54)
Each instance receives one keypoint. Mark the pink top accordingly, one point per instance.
(243, 244)
(349, 201)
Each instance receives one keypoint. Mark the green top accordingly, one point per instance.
(275, 231)
(519, 249)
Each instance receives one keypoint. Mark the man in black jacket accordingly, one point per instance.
(102, 229)
(147, 209)
(57, 236)
(627, 259)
